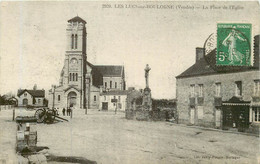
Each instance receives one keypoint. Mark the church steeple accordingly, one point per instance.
(77, 19)
(76, 34)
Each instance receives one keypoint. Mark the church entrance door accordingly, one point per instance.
(72, 99)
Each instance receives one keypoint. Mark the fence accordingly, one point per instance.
(3, 107)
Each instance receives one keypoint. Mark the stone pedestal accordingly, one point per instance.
(147, 99)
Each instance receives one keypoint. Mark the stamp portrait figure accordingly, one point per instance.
(231, 42)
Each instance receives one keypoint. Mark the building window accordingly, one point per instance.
(95, 98)
(73, 77)
(200, 90)
(39, 101)
(115, 84)
(25, 94)
(256, 114)
(238, 88)
(76, 41)
(76, 76)
(192, 90)
(257, 88)
(119, 98)
(218, 89)
(58, 97)
(110, 84)
(105, 85)
(72, 41)
(70, 76)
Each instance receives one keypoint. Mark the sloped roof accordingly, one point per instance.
(77, 19)
(110, 70)
(201, 67)
(34, 93)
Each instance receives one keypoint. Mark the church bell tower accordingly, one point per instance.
(75, 57)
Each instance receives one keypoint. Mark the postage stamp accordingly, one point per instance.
(234, 44)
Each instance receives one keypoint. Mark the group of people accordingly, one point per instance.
(68, 110)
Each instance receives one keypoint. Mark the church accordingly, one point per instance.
(81, 83)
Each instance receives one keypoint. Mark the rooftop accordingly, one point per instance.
(34, 93)
(77, 19)
(202, 67)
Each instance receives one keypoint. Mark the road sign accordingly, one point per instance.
(113, 100)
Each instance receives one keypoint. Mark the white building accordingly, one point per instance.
(31, 97)
(112, 100)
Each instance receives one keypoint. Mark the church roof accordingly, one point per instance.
(110, 70)
(77, 19)
(201, 67)
(34, 93)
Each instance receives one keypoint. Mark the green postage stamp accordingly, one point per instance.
(234, 44)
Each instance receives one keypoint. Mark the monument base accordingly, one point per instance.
(147, 99)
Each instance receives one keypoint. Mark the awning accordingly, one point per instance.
(235, 101)
(237, 104)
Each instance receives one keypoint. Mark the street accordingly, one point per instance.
(106, 137)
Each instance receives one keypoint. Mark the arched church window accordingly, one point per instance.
(110, 84)
(95, 98)
(73, 77)
(72, 41)
(76, 41)
(115, 84)
(76, 76)
(70, 77)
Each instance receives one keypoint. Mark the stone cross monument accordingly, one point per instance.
(147, 98)
(147, 69)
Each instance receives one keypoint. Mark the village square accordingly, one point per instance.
(93, 114)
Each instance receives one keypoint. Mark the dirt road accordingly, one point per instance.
(108, 138)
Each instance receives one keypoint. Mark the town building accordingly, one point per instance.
(32, 97)
(81, 83)
(113, 100)
(225, 97)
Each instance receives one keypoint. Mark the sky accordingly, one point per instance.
(33, 38)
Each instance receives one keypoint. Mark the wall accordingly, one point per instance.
(94, 91)
(39, 101)
(28, 96)
(209, 89)
(114, 80)
(3, 107)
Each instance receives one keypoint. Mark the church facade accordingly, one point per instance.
(81, 83)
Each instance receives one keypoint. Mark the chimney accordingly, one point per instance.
(199, 53)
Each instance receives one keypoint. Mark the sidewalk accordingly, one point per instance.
(213, 129)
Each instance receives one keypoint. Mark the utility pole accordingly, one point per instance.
(53, 96)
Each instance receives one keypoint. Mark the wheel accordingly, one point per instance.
(40, 115)
(50, 116)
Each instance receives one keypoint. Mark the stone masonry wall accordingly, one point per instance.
(209, 91)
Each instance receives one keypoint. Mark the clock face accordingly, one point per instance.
(73, 64)
(73, 61)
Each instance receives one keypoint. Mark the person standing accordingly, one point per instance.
(71, 110)
(68, 111)
(63, 111)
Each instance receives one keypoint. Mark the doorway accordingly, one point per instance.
(192, 115)
(104, 105)
(72, 99)
(25, 102)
